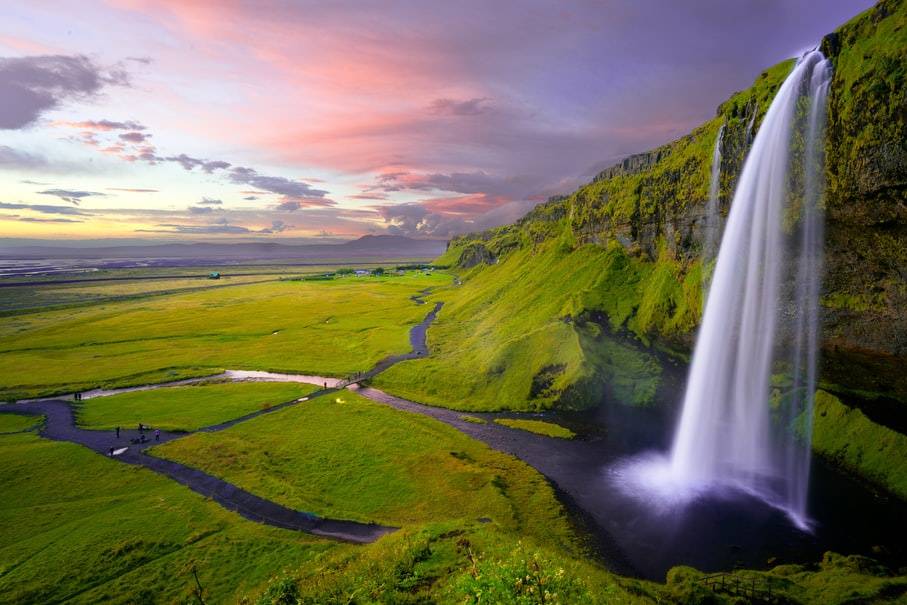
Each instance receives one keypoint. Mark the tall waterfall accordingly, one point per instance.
(762, 311)
(712, 214)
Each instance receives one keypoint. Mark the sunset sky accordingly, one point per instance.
(159, 119)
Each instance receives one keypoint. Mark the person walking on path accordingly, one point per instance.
(118, 432)
(157, 434)
(110, 452)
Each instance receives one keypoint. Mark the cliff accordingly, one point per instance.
(650, 209)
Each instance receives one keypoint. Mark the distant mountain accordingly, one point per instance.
(369, 246)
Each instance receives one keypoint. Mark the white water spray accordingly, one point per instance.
(761, 317)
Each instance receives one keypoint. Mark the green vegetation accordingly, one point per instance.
(850, 439)
(76, 526)
(367, 462)
(16, 423)
(540, 427)
(836, 580)
(21, 299)
(451, 563)
(516, 336)
(186, 408)
(329, 328)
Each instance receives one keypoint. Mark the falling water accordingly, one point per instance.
(749, 125)
(726, 434)
(712, 216)
(746, 418)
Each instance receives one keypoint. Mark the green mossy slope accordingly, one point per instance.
(553, 309)
(514, 335)
(847, 437)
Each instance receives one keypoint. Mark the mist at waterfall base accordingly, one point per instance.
(746, 419)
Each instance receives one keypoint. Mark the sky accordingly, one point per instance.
(203, 120)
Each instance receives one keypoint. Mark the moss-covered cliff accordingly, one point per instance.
(643, 223)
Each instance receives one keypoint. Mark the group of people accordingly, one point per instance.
(142, 438)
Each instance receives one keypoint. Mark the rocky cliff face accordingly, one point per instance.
(653, 205)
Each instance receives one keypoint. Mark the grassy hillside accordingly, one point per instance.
(515, 334)
(571, 301)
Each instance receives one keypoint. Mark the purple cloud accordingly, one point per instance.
(280, 185)
(71, 196)
(31, 219)
(31, 86)
(44, 208)
(134, 137)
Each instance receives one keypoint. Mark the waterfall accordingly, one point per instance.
(747, 410)
(749, 125)
(712, 215)
(726, 434)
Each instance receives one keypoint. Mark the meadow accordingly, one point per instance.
(343, 456)
(78, 527)
(28, 298)
(186, 408)
(331, 328)
(42, 292)
(472, 520)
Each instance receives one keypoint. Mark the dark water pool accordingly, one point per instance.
(716, 531)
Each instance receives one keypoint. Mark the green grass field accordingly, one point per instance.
(77, 527)
(359, 460)
(16, 423)
(186, 408)
(35, 293)
(539, 427)
(326, 327)
(30, 298)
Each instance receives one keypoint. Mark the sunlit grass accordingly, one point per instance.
(539, 427)
(363, 461)
(332, 328)
(75, 525)
(186, 408)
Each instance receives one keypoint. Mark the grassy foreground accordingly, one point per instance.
(344, 456)
(77, 527)
(81, 528)
(16, 423)
(326, 327)
(186, 408)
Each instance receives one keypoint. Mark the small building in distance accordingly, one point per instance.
(362, 272)
(214, 275)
